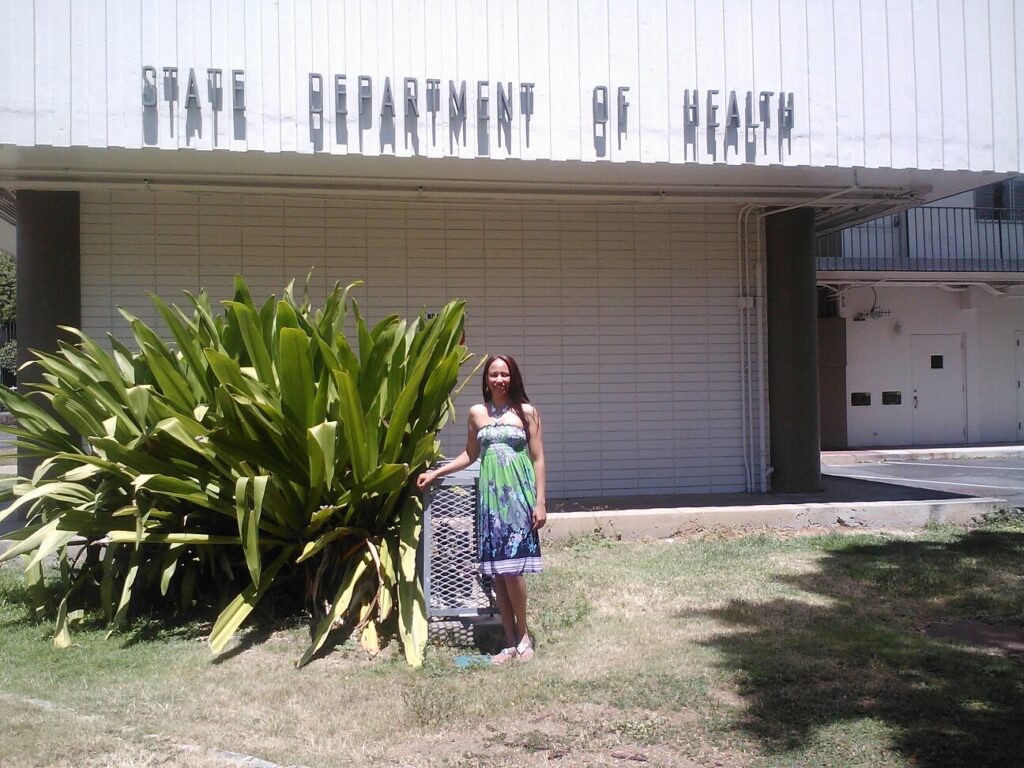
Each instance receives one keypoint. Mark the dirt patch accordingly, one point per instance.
(592, 735)
(1006, 639)
(728, 698)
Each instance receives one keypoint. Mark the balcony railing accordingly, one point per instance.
(929, 239)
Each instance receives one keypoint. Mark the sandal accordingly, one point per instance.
(524, 651)
(505, 655)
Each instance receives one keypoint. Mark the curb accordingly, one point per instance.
(660, 523)
(845, 458)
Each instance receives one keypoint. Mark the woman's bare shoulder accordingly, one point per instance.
(477, 415)
(530, 409)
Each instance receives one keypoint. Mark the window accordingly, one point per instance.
(892, 398)
(1000, 202)
(860, 398)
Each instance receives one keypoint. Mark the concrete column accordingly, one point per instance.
(49, 278)
(793, 352)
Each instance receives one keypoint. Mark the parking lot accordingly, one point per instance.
(1002, 478)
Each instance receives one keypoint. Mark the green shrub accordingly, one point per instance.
(8, 288)
(9, 356)
(259, 454)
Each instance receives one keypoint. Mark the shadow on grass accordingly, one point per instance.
(254, 636)
(158, 628)
(858, 649)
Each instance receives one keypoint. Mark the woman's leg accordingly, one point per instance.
(508, 617)
(515, 587)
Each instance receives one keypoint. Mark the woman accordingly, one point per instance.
(505, 432)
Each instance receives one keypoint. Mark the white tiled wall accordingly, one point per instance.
(622, 317)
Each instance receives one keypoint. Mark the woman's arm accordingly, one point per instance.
(540, 511)
(461, 461)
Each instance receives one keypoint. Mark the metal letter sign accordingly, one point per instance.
(691, 108)
(215, 88)
(149, 95)
(601, 105)
(412, 96)
(365, 95)
(762, 111)
(340, 95)
(483, 99)
(238, 90)
(504, 102)
(456, 100)
(387, 100)
(192, 92)
(316, 93)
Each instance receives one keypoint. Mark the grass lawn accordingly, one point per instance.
(759, 650)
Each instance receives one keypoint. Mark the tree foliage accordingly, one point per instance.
(260, 454)
(8, 288)
(9, 356)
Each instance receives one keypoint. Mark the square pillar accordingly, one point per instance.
(794, 410)
(49, 279)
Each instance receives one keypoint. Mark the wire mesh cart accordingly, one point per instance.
(452, 585)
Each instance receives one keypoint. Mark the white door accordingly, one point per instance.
(939, 398)
(1020, 385)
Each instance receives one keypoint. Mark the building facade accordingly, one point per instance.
(924, 322)
(625, 192)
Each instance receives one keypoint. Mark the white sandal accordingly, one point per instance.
(524, 651)
(505, 655)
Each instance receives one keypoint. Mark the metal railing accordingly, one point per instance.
(929, 239)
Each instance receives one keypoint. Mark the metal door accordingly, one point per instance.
(939, 398)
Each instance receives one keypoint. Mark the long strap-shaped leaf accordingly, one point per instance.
(238, 610)
(249, 520)
(340, 604)
(412, 609)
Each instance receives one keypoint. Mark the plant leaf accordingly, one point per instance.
(341, 603)
(238, 610)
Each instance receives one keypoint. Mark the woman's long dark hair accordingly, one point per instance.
(516, 390)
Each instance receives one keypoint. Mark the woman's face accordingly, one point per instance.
(498, 378)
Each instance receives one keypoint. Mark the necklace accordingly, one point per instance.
(496, 412)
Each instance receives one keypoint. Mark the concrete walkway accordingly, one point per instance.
(875, 455)
(844, 502)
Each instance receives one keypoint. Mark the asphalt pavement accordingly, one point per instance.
(999, 477)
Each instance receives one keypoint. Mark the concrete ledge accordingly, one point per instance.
(845, 458)
(663, 522)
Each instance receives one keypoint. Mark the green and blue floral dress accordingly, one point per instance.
(509, 545)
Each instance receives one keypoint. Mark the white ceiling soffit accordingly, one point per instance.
(354, 175)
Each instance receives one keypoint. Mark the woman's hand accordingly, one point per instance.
(425, 479)
(540, 516)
